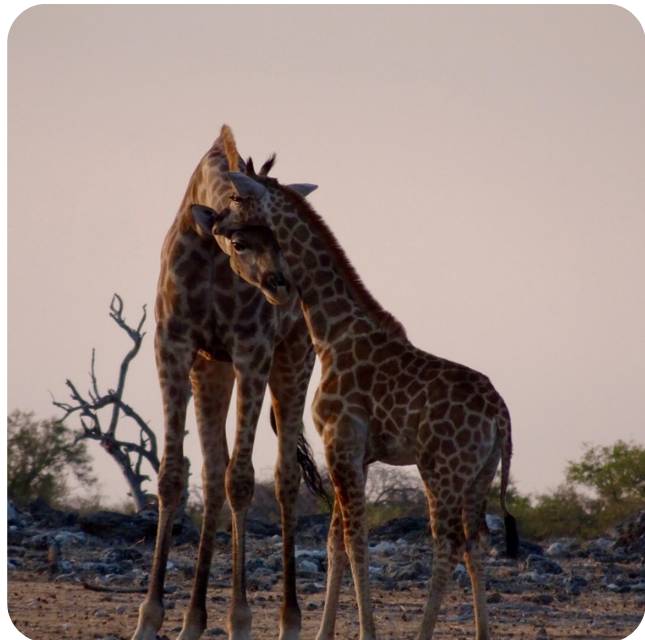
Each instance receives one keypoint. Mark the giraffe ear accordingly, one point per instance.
(303, 188)
(205, 217)
(245, 186)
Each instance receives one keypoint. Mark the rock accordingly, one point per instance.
(542, 598)
(407, 528)
(561, 548)
(312, 587)
(223, 538)
(111, 525)
(638, 587)
(574, 584)
(618, 588)
(70, 538)
(630, 534)
(50, 518)
(216, 631)
(494, 523)
(313, 527)
(542, 565)
(311, 606)
(307, 566)
(600, 549)
(103, 568)
(318, 554)
(261, 529)
(385, 547)
(13, 515)
(15, 535)
(118, 554)
(416, 570)
(460, 576)
(40, 541)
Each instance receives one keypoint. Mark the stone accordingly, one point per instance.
(460, 576)
(216, 632)
(385, 547)
(118, 554)
(494, 523)
(70, 538)
(561, 548)
(542, 565)
(307, 566)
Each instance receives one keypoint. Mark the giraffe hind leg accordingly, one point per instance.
(447, 537)
(473, 521)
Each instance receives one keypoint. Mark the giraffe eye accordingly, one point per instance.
(235, 198)
(239, 246)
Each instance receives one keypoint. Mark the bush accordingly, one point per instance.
(40, 454)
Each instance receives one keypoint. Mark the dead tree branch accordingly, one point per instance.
(127, 453)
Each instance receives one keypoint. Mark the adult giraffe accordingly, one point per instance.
(380, 398)
(213, 329)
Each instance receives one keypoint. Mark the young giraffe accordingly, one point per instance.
(380, 398)
(214, 329)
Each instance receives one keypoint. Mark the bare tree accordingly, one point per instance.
(388, 485)
(129, 454)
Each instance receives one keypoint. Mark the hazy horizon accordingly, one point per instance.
(481, 165)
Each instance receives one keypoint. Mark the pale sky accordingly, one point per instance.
(482, 166)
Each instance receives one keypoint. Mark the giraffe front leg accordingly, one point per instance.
(212, 386)
(175, 390)
(293, 361)
(240, 483)
(336, 564)
(345, 452)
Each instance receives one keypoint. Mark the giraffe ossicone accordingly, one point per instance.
(380, 399)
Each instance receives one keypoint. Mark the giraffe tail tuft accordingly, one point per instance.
(307, 464)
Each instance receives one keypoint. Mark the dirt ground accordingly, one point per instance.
(45, 610)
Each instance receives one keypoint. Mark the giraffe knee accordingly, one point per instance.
(240, 483)
(287, 484)
(171, 486)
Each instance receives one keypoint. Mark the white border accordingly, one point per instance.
(9, 12)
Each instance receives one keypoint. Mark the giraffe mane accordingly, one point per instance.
(321, 229)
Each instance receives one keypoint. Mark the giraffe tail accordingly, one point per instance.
(510, 524)
(310, 474)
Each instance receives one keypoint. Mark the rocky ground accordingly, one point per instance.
(560, 590)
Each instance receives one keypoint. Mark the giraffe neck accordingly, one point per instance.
(335, 303)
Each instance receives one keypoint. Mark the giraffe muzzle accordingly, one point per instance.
(277, 287)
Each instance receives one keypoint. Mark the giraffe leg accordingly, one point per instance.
(447, 532)
(475, 566)
(289, 379)
(175, 391)
(336, 564)
(348, 475)
(240, 483)
(212, 386)
(473, 516)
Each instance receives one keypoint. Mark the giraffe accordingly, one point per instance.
(380, 398)
(213, 329)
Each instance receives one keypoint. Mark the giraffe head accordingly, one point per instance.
(253, 252)
(242, 230)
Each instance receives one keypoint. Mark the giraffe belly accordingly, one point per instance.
(395, 447)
